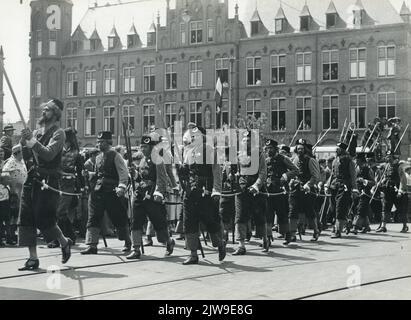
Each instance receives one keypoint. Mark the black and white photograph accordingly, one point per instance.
(205, 155)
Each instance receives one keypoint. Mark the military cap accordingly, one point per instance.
(302, 142)
(147, 140)
(105, 135)
(271, 143)
(9, 127)
(286, 148)
(342, 145)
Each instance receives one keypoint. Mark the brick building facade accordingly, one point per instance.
(313, 64)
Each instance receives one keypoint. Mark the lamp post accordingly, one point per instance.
(230, 89)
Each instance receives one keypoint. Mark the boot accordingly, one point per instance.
(222, 250)
(336, 235)
(148, 242)
(241, 251)
(266, 245)
(170, 247)
(127, 247)
(191, 260)
(89, 250)
(53, 244)
(315, 237)
(404, 229)
(66, 252)
(381, 229)
(134, 255)
(30, 265)
(181, 237)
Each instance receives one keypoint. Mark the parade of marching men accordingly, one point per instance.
(235, 128)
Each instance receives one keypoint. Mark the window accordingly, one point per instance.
(91, 83)
(358, 63)
(129, 80)
(90, 121)
(304, 23)
(128, 117)
(37, 83)
(148, 117)
(170, 114)
(94, 44)
(75, 46)
(254, 27)
(304, 67)
(109, 119)
(71, 118)
(278, 110)
(111, 42)
(222, 69)
(254, 108)
(386, 105)
(196, 74)
(304, 113)
(357, 18)
(279, 23)
(330, 112)
(130, 41)
(72, 84)
(109, 81)
(39, 36)
(171, 76)
(278, 69)
(222, 115)
(254, 71)
(183, 35)
(196, 32)
(330, 65)
(52, 42)
(195, 113)
(386, 61)
(210, 31)
(331, 20)
(358, 107)
(149, 79)
(151, 39)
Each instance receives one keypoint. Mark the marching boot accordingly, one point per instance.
(191, 260)
(170, 247)
(336, 235)
(266, 245)
(66, 251)
(53, 244)
(89, 250)
(127, 247)
(135, 254)
(148, 242)
(181, 237)
(366, 229)
(30, 265)
(241, 251)
(404, 229)
(315, 237)
(222, 250)
(381, 229)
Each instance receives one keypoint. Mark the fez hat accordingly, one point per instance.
(271, 143)
(342, 145)
(105, 135)
(9, 127)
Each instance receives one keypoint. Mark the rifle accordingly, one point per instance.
(129, 155)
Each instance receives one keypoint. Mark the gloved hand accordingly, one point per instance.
(121, 192)
(253, 191)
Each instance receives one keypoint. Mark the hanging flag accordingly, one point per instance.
(218, 93)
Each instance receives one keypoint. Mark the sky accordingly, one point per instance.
(14, 37)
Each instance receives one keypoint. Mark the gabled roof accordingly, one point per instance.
(280, 14)
(1, 51)
(95, 35)
(305, 12)
(331, 8)
(405, 10)
(133, 30)
(256, 16)
(152, 27)
(113, 33)
(359, 5)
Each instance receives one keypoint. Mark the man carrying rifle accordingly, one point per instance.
(302, 196)
(341, 183)
(108, 187)
(394, 188)
(365, 181)
(149, 199)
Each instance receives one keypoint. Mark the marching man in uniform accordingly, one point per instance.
(39, 207)
(280, 170)
(342, 182)
(152, 183)
(301, 196)
(108, 187)
(250, 203)
(200, 177)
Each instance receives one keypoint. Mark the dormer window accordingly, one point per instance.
(130, 41)
(279, 23)
(304, 23)
(358, 15)
(93, 45)
(75, 46)
(111, 43)
(151, 39)
(331, 20)
(254, 27)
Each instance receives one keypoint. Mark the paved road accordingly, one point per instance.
(375, 266)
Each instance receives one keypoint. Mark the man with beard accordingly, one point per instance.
(108, 188)
(6, 142)
(302, 196)
(72, 166)
(365, 181)
(250, 203)
(38, 206)
(280, 170)
(394, 188)
(200, 177)
(342, 182)
(149, 199)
